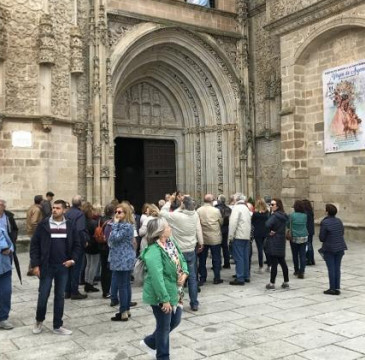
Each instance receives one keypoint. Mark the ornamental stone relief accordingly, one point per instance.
(117, 27)
(277, 9)
(77, 61)
(3, 35)
(144, 104)
(46, 40)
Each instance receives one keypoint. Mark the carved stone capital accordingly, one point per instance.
(105, 172)
(47, 122)
(46, 40)
(77, 64)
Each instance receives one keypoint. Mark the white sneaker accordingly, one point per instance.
(37, 328)
(6, 325)
(148, 349)
(62, 331)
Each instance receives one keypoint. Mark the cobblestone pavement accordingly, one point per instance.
(232, 322)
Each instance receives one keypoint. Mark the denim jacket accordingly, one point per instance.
(5, 260)
(121, 254)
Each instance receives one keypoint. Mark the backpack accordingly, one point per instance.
(226, 213)
(99, 233)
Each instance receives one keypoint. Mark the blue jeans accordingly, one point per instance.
(299, 256)
(74, 275)
(241, 256)
(310, 250)
(114, 288)
(216, 262)
(333, 262)
(123, 281)
(5, 297)
(60, 274)
(190, 258)
(160, 339)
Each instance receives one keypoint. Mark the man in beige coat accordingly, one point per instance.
(211, 221)
(34, 215)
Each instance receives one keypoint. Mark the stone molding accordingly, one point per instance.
(46, 41)
(309, 15)
(77, 63)
(3, 35)
(209, 129)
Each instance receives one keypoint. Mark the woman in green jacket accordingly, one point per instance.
(299, 233)
(163, 285)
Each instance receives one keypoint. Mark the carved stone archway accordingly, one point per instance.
(169, 83)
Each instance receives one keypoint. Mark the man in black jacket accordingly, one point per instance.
(78, 220)
(54, 248)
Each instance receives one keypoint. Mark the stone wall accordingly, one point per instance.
(308, 171)
(49, 164)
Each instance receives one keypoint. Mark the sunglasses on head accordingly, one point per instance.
(120, 212)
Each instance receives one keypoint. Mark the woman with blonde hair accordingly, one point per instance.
(163, 286)
(153, 212)
(122, 257)
(260, 231)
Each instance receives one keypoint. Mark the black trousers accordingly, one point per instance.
(106, 274)
(274, 261)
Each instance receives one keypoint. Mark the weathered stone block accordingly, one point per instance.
(352, 170)
(358, 160)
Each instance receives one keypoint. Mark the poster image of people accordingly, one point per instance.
(344, 107)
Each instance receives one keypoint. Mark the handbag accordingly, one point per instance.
(139, 272)
(288, 234)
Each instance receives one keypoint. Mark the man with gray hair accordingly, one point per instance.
(211, 221)
(187, 232)
(78, 220)
(239, 234)
(226, 213)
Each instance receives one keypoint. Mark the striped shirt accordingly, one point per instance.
(58, 252)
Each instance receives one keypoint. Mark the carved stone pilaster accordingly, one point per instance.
(102, 32)
(77, 64)
(96, 76)
(47, 123)
(96, 151)
(109, 87)
(104, 125)
(46, 41)
(91, 26)
(89, 171)
(242, 12)
(78, 129)
(3, 35)
(89, 133)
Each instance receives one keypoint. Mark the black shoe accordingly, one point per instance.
(78, 296)
(330, 292)
(236, 282)
(67, 295)
(194, 308)
(120, 317)
(114, 302)
(199, 289)
(247, 280)
(300, 275)
(295, 273)
(201, 283)
(234, 276)
(133, 303)
(227, 266)
(338, 292)
(217, 281)
(90, 288)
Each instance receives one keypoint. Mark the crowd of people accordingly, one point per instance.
(77, 244)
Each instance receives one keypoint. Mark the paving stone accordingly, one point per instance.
(330, 352)
(314, 339)
(350, 329)
(356, 344)
(338, 317)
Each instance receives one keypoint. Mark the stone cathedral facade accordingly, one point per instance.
(232, 94)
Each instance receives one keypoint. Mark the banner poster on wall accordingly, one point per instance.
(344, 107)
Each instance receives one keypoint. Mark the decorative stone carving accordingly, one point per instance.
(3, 35)
(101, 28)
(273, 87)
(2, 116)
(96, 151)
(96, 76)
(91, 25)
(46, 40)
(77, 63)
(104, 125)
(78, 129)
(118, 26)
(242, 12)
(229, 45)
(47, 122)
(242, 58)
(144, 104)
(109, 85)
(105, 172)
